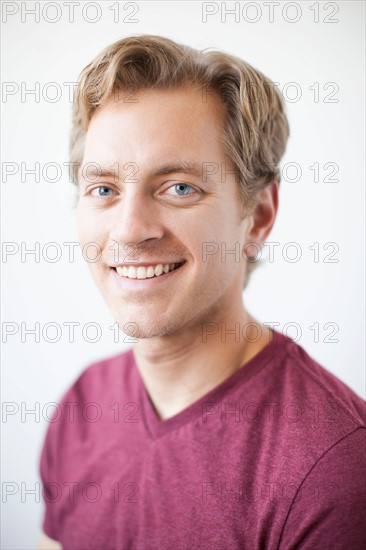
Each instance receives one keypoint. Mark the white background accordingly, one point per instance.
(306, 292)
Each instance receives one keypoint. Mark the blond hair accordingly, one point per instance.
(256, 126)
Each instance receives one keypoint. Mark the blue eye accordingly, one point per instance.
(102, 191)
(182, 188)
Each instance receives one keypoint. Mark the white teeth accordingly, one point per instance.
(158, 270)
(142, 272)
(132, 272)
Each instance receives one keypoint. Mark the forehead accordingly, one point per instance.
(151, 123)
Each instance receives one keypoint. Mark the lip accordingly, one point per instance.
(143, 284)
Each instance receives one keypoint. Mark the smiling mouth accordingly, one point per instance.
(146, 272)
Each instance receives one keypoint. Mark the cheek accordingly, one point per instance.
(193, 235)
(207, 243)
(81, 223)
(223, 250)
(87, 228)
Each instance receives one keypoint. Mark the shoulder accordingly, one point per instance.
(86, 409)
(314, 392)
(102, 379)
(318, 431)
(111, 369)
(329, 507)
(302, 414)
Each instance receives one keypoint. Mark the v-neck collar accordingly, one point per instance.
(158, 428)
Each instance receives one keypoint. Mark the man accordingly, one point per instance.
(194, 438)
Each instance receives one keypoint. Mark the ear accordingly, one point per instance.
(262, 218)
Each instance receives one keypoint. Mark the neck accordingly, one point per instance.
(179, 369)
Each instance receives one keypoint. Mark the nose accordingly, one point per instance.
(135, 220)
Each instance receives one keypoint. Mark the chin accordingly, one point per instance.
(147, 328)
(143, 327)
(150, 332)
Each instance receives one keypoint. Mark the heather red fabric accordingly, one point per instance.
(272, 458)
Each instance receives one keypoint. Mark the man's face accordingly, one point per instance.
(153, 210)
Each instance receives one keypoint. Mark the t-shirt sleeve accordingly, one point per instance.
(47, 467)
(56, 436)
(329, 510)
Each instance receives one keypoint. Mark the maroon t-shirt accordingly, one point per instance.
(272, 458)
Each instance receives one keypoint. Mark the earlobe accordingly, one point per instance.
(250, 250)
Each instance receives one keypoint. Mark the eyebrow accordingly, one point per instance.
(188, 167)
